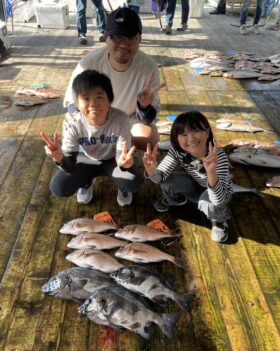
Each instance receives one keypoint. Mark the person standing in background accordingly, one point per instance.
(244, 13)
(169, 15)
(81, 6)
(220, 9)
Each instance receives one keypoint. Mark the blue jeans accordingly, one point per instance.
(185, 11)
(81, 6)
(180, 186)
(170, 12)
(245, 8)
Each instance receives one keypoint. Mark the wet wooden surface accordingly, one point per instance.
(237, 284)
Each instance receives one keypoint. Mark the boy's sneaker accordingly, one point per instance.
(184, 26)
(82, 39)
(256, 29)
(166, 29)
(124, 198)
(84, 195)
(274, 26)
(219, 231)
(243, 30)
(161, 205)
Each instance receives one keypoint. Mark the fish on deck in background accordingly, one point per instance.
(261, 156)
(91, 258)
(47, 93)
(143, 253)
(242, 74)
(151, 284)
(95, 241)
(80, 225)
(77, 284)
(233, 144)
(227, 124)
(274, 182)
(241, 189)
(142, 233)
(125, 309)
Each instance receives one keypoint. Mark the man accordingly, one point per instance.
(4, 53)
(220, 9)
(81, 6)
(133, 74)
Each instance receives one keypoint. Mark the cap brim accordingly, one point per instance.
(122, 32)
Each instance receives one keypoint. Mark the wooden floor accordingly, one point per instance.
(238, 293)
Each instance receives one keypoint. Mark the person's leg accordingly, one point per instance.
(184, 15)
(169, 15)
(244, 11)
(219, 215)
(100, 16)
(66, 184)
(81, 6)
(258, 12)
(128, 181)
(177, 189)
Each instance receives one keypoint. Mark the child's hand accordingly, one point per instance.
(210, 164)
(126, 158)
(146, 96)
(150, 159)
(53, 149)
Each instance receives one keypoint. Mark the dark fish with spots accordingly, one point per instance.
(150, 284)
(122, 308)
(77, 284)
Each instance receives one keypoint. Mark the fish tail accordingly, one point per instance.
(178, 261)
(185, 300)
(167, 323)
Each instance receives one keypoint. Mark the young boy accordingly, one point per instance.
(102, 135)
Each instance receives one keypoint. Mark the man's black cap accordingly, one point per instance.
(123, 21)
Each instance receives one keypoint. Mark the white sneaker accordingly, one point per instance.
(256, 29)
(243, 30)
(124, 198)
(84, 195)
(166, 29)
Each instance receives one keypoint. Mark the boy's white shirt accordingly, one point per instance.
(99, 143)
(126, 85)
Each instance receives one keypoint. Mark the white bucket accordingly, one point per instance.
(196, 8)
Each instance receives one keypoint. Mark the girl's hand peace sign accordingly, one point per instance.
(150, 159)
(53, 148)
(126, 158)
(146, 96)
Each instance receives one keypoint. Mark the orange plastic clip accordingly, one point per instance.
(159, 225)
(104, 216)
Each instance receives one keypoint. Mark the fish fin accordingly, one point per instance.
(167, 323)
(178, 261)
(185, 300)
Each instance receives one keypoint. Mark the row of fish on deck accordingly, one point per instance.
(235, 65)
(111, 293)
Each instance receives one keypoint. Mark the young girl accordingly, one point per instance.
(204, 179)
(95, 143)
